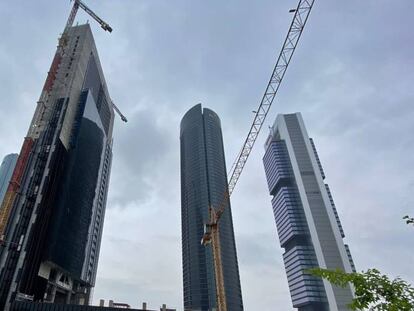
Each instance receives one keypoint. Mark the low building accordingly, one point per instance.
(113, 306)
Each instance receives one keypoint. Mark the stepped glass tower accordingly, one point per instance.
(306, 218)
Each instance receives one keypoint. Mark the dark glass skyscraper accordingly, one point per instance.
(53, 212)
(203, 183)
(306, 218)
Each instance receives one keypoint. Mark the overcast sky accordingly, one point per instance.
(351, 77)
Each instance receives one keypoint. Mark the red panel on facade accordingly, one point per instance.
(21, 164)
(14, 185)
(51, 75)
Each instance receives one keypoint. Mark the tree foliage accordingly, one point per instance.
(373, 290)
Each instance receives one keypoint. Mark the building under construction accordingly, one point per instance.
(52, 215)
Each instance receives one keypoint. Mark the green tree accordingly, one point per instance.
(373, 290)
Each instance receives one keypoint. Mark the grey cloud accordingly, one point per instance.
(138, 156)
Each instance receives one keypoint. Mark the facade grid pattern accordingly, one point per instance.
(203, 184)
(306, 218)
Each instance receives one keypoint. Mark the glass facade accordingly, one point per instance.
(72, 218)
(293, 229)
(57, 218)
(306, 218)
(203, 184)
(6, 171)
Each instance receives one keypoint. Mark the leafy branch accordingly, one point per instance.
(373, 290)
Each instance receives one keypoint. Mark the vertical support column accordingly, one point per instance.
(68, 297)
(53, 294)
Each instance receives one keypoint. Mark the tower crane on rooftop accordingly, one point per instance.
(123, 118)
(105, 26)
(211, 230)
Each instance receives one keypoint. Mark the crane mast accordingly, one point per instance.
(72, 16)
(211, 235)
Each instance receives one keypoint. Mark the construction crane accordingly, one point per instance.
(211, 230)
(123, 118)
(72, 15)
(105, 26)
